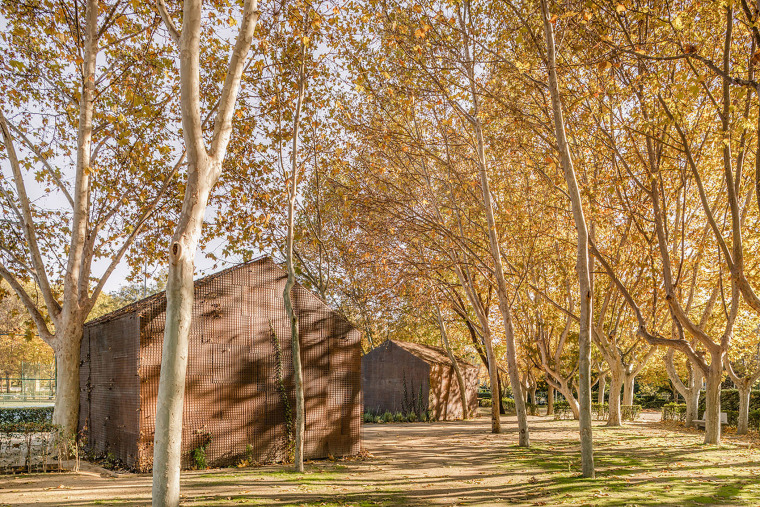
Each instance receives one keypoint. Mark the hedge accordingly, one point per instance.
(600, 411)
(729, 401)
(509, 405)
(629, 412)
(25, 415)
(562, 410)
(674, 412)
(26, 428)
(652, 400)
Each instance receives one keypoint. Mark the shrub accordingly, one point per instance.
(509, 405)
(562, 410)
(600, 411)
(398, 417)
(485, 402)
(484, 393)
(729, 401)
(199, 453)
(652, 400)
(411, 417)
(674, 412)
(387, 417)
(754, 419)
(26, 415)
(368, 417)
(629, 412)
(531, 408)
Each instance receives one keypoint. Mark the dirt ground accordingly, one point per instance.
(453, 463)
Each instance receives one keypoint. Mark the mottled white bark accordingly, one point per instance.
(204, 168)
(292, 190)
(582, 266)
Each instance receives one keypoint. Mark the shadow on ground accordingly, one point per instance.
(453, 463)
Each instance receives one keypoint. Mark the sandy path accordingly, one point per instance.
(444, 463)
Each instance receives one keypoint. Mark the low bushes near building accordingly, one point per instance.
(485, 402)
(199, 453)
(371, 416)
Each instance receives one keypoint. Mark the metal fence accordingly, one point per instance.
(36, 383)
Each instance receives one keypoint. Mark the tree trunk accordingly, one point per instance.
(628, 385)
(614, 417)
(691, 392)
(582, 263)
(203, 171)
(493, 370)
(743, 424)
(533, 395)
(567, 392)
(67, 358)
(501, 282)
(299, 427)
(550, 400)
(602, 388)
(171, 384)
(501, 290)
(692, 404)
(499, 396)
(712, 400)
(454, 363)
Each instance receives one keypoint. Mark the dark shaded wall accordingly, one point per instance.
(385, 370)
(235, 384)
(109, 406)
(445, 401)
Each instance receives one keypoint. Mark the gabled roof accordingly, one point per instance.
(137, 306)
(160, 297)
(429, 354)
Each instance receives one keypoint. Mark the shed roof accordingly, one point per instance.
(428, 353)
(159, 297)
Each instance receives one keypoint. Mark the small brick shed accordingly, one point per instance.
(396, 372)
(236, 389)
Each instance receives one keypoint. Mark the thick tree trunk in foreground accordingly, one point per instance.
(582, 266)
(171, 385)
(67, 360)
(203, 170)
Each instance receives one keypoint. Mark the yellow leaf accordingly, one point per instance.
(620, 8)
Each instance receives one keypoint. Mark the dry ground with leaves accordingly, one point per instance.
(455, 463)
